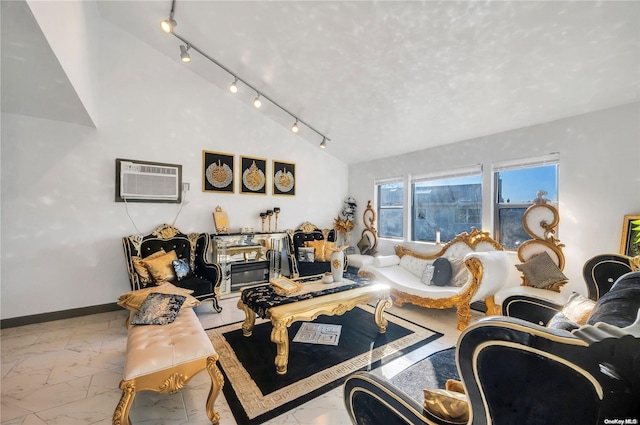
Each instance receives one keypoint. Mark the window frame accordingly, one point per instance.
(379, 207)
(468, 171)
(518, 164)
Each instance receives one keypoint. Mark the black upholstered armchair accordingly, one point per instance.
(308, 232)
(599, 274)
(203, 278)
(517, 372)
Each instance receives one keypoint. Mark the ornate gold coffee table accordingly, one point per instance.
(282, 316)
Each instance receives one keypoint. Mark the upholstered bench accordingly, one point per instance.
(163, 358)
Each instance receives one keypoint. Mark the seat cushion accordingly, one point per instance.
(619, 306)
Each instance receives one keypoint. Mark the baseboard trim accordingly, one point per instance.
(57, 315)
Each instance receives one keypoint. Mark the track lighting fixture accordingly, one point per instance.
(184, 55)
(233, 87)
(168, 26)
(257, 102)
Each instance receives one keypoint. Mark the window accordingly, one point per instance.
(516, 186)
(451, 202)
(390, 209)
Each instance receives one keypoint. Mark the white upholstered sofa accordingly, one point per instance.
(482, 271)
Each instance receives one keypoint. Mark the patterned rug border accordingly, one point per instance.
(257, 405)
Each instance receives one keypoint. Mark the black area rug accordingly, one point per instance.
(429, 373)
(256, 393)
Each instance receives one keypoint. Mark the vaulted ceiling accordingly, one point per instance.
(385, 77)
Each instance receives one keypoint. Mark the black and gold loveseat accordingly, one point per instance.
(198, 274)
(517, 372)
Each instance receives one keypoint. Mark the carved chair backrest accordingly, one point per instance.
(308, 232)
(458, 247)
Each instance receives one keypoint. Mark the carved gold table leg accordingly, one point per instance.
(249, 320)
(121, 414)
(379, 314)
(280, 337)
(217, 381)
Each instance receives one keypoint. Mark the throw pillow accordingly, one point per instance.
(364, 245)
(318, 247)
(578, 308)
(540, 271)
(181, 268)
(161, 268)
(132, 300)
(562, 322)
(306, 255)
(386, 260)
(427, 274)
(141, 269)
(441, 272)
(447, 405)
(454, 385)
(158, 309)
(459, 272)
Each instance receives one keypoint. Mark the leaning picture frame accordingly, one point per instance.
(630, 242)
(217, 172)
(285, 286)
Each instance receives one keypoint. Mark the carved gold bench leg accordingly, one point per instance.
(217, 381)
(121, 414)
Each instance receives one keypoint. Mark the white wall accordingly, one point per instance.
(599, 177)
(62, 230)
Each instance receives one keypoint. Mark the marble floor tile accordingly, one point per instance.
(67, 372)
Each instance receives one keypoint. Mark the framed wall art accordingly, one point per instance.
(630, 243)
(217, 172)
(284, 178)
(253, 175)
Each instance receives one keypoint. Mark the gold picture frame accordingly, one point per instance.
(253, 175)
(217, 172)
(628, 246)
(285, 286)
(283, 178)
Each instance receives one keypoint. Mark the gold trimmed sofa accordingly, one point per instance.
(482, 270)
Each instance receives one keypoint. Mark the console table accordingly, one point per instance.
(248, 258)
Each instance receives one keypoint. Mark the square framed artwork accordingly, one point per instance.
(217, 172)
(630, 243)
(253, 175)
(284, 178)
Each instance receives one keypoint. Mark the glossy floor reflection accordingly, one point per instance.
(67, 372)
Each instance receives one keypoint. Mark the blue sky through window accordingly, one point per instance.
(521, 185)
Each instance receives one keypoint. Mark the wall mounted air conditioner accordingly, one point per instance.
(143, 181)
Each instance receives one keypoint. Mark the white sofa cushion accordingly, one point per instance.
(414, 264)
(386, 261)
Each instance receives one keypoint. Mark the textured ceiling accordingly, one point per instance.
(385, 77)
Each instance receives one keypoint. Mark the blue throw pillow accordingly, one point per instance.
(181, 268)
(158, 309)
(441, 272)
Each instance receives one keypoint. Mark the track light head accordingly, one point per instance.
(184, 55)
(168, 25)
(257, 102)
(323, 144)
(233, 87)
(295, 127)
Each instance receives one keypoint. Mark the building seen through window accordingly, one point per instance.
(452, 205)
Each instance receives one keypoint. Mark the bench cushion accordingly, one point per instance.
(151, 348)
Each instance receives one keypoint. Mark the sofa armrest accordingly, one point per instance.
(203, 267)
(372, 400)
(386, 261)
(495, 270)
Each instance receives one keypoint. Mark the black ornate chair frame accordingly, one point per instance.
(193, 246)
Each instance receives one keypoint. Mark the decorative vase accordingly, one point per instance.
(337, 265)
